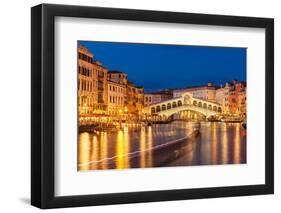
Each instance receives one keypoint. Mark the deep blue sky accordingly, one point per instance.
(156, 66)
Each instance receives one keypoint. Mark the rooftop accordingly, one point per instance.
(113, 82)
(117, 71)
(161, 92)
(198, 87)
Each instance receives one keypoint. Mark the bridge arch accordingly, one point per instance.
(205, 106)
(169, 106)
(179, 103)
(158, 109)
(188, 114)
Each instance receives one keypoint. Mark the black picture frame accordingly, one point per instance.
(43, 102)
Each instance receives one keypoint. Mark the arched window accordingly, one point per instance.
(174, 104)
(179, 103)
(163, 107)
(169, 106)
(210, 107)
(205, 106)
(152, 110)
(219, 109)
(195, 103)
(200, 104)
(215, 108)
(158, 109)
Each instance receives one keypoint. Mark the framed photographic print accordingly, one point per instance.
(139, 106)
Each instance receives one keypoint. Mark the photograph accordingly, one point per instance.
(144, 105)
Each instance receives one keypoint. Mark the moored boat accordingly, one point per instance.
(213, 119)
(232, 119)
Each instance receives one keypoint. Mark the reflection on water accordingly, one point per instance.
(237, 145)
(214, 144)
(142, 148)
(224, 144)
(163, 145)
(103, 149)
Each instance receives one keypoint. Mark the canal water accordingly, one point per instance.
(174, 144)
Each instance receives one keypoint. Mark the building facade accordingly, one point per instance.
(134, 99)
(139, 99)
(205, 92)
(87, 90)
(237, 103)
(92, 84)
(221, 98)
(100, 79)
(116, 98)
(156, 97)
(117, 95)
(118, 77)
(233, 98)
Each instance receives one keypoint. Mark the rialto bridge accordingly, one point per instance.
(184, 103)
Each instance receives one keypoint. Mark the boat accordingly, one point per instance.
(232, 119)
(213, 119)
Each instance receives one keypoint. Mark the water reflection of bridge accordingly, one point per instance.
(186, 102)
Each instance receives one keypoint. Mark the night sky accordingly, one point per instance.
(156, 66)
